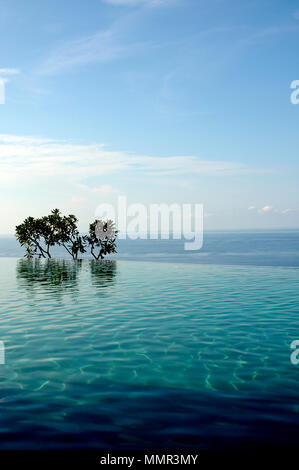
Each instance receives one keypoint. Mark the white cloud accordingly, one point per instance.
(289, 211)
(34, 157)
(77, 199)
(22, 140)
(9, 71)
(266, 209)
(104, 189)
(271, 209)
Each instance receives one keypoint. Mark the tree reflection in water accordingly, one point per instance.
(103, 273)
(48, 272)
(63, 275)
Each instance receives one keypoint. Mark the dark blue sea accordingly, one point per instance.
(254, 248)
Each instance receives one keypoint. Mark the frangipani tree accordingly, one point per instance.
(101, 238)
(69, 236)
(38, 235)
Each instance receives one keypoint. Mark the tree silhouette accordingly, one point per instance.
(38, 235)
(101, 238)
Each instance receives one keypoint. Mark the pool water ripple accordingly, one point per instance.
(150, 355)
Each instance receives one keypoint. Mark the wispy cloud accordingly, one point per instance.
(103, 189)
(9, 71)
(22, 157)
(101, 47)
(271, 209)
(98, 47)
(104, 45)
(266, 209)
(289, 211)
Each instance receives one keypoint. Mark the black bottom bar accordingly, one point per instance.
(138, 459)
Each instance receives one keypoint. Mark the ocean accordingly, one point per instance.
(254, 248)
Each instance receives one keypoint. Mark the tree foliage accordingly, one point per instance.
(39, 235)
(101, 238)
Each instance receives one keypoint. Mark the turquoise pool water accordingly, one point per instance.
(147, 355)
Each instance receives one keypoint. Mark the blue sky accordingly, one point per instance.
(160, 100)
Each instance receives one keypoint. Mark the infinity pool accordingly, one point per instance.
(147, 355)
